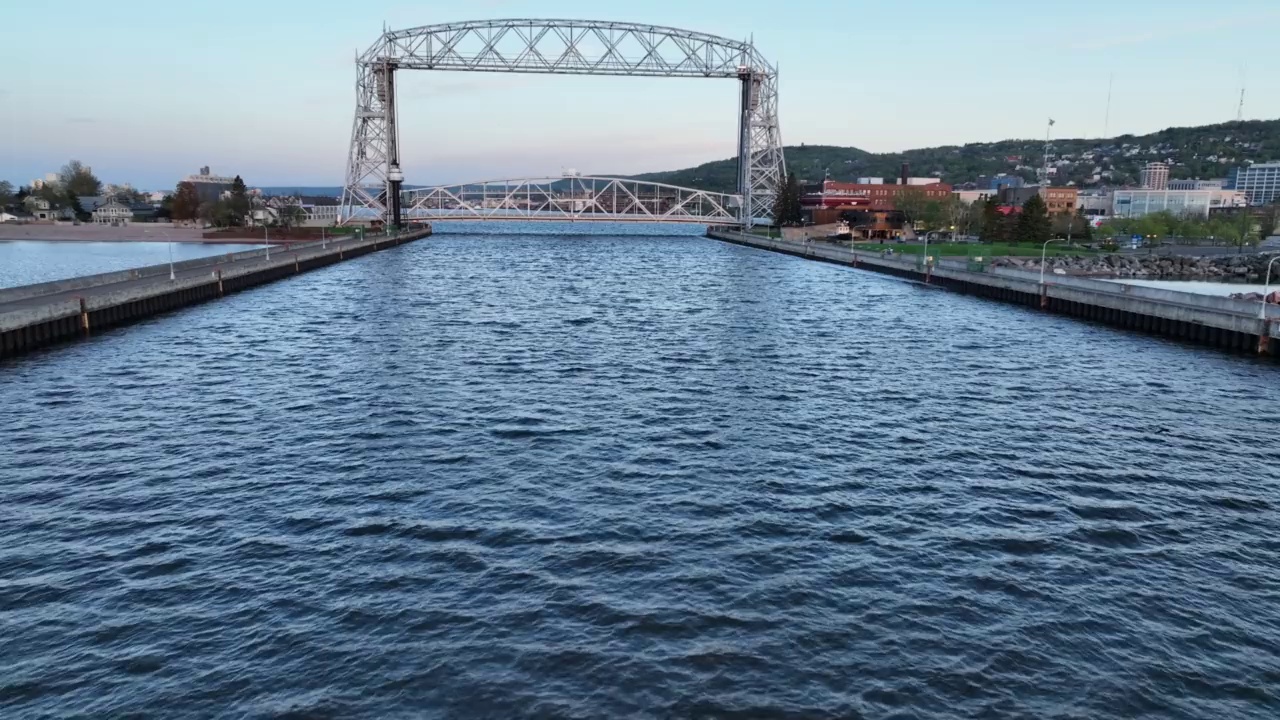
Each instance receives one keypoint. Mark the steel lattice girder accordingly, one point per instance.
(580, 47)
(573, 198)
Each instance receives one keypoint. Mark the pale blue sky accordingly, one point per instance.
(148, 93)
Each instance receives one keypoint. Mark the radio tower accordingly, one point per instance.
(1240, 107)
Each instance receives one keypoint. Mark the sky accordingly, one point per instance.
(265, 89)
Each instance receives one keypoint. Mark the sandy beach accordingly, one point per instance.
(141, 232)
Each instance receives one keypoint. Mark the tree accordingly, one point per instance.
(78, 179)
(291, 215)
(6, 193)
(1270, 220)
(127, 195)
(992, 221)
(239, 201)
(52, 194)
(186, 202)
(1085, 226)
(787, 209)
(73, 202)
(912, 203)
(954, 213)
(165, 211)
(1033, 224)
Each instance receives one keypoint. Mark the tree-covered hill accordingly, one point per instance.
(1207, 151)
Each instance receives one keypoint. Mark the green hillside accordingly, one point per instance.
(1208, 151)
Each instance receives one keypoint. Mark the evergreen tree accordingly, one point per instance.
(1082, 226)
(238, 204)
(1034, 225)
(73, 202)
(992, 221)
(6, 193)
(787, 209)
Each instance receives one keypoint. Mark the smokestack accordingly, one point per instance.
(906, 173)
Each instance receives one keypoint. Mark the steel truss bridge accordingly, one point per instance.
(565, 47)
(572, 199)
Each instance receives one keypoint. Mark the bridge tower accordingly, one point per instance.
(573, 47)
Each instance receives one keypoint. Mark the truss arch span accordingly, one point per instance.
(571, 47)
(573, 198)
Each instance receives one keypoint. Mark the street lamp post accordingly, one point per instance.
(169, 242)
(1044, 251)
(266, 242)
(1266, 290)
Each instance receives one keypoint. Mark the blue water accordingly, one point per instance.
(26, 262)
(634, 477)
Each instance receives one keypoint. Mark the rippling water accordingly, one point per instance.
(26, 262)
(657, 477)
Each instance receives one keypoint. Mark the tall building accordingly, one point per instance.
(1198, 203)
(1260, 182)
(1155, 176)
(209, 187)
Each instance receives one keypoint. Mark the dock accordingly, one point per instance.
(1221, 322)
(34, 316)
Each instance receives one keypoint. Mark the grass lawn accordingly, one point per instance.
(966, 249)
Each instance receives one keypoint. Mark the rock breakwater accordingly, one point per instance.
(1242, 268)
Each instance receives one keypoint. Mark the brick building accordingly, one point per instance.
(1057, 199)
(863, 196)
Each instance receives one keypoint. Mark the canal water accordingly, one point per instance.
(499, 476)
(26, 262)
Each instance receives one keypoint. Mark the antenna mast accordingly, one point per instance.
(1240, 107)
(1106, 120)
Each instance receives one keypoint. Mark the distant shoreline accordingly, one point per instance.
(184, 241)
(140, 232)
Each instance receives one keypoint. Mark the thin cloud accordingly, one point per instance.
(81, 120)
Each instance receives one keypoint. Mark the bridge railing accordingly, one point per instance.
(574, 198)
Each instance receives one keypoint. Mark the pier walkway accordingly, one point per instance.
(1204, 319)
(33, 316)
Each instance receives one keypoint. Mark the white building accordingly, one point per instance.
(1197, 184)
(40, 208)
(210, 187)
(1097, 203)
(48, 179)
(112, 213)
(1138, 202)
(1260, 182)
(1155, 176)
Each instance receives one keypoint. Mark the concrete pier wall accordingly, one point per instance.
(1204, 319)
(34, 316)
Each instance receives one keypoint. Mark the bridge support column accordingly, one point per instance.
(746, 106)
(395, 178)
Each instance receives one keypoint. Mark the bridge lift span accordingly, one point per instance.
(570, 47)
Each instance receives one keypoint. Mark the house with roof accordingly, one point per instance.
(113, 212)
(39, 208)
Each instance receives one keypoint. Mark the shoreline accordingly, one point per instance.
(183, 241)
(138, 232)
